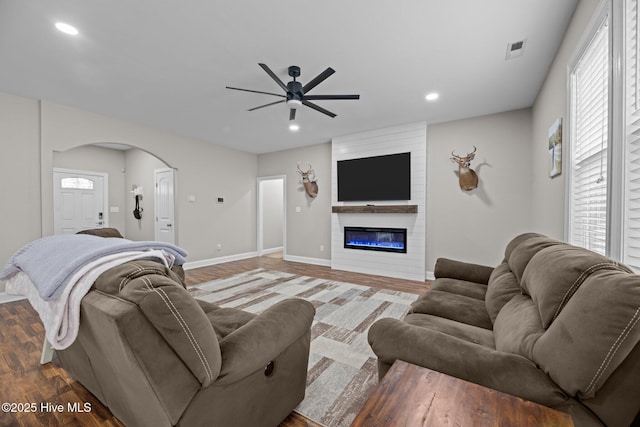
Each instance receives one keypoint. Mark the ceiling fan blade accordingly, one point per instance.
(266, 105)
(316, 97)
(273, 76)
(318, 108)
(292, 114)
(256, 91)
(318, 79)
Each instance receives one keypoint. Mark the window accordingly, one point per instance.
(604, 113)
(76, 183)
(631, 240)
(589, 118)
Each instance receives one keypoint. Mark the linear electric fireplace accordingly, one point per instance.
(376, 239)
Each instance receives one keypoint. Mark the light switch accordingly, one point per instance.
(114, 209)
(191, 198)
(297, 209)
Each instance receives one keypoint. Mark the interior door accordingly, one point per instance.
(78, 201)
(164, 205)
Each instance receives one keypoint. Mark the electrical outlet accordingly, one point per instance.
(321, 248)
(219, 247)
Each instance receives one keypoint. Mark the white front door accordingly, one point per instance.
(164, 205)
(78, 201)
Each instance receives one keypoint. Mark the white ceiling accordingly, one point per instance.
(166, 63)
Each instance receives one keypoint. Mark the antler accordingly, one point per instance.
(469, 156)
(300, 171)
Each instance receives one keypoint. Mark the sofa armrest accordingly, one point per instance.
(462, 271)
(255, 344)
(392, 339)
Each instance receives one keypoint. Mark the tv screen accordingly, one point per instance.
(375, 178)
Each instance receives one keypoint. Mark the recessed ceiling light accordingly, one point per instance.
(432, 96)
(294, 127)
(67, 29)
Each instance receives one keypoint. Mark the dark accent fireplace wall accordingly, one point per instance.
(376, 239)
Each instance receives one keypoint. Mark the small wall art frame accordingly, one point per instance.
(555, 148)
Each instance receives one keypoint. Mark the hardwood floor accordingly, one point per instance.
(23, 380)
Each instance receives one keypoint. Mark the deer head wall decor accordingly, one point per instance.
(467, 177)
(309, 180)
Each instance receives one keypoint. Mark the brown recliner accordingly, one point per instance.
(157, 357)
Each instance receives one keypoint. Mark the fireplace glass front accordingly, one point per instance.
(376, 239)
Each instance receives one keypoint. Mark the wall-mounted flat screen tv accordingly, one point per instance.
(375, 178)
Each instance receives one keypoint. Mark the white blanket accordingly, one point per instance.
(51, 261)
(61, 316)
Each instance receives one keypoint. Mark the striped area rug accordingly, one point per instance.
(342, 368)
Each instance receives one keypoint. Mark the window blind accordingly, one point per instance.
(589, 122)
(631, 247)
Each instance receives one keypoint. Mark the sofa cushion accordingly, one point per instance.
(448, 268)
(502, 286)
(225, 319)
(517, 326)
(470, 333)
(554, 274)
(451, 306)
(593, 334)
(516, 241)
(460, 287)
(522, 254)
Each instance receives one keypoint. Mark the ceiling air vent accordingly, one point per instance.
(515, 49)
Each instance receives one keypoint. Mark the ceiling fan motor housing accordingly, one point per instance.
(294, 91)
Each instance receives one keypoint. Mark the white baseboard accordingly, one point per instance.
(308, 260)
(5, 297)
(272, 250)
(219, 260)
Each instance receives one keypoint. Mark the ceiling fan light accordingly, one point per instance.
(294, 103)
(432, 96)
(294, 127)
(67, 29)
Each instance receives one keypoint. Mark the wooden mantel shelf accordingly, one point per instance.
(402, 209)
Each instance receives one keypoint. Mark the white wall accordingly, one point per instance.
(399, 139)
(139, 167)
(310, 228)
(124, 168)
(547, 194)
(475, 226)
(105, 160)
(31, 131)
(204, 170)
(19, 174)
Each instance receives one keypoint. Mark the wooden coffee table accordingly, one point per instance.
(410, 395)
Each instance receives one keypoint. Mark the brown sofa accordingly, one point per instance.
(553, 323)
(158, 357)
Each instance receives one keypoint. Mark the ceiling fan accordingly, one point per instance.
(296, 93)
